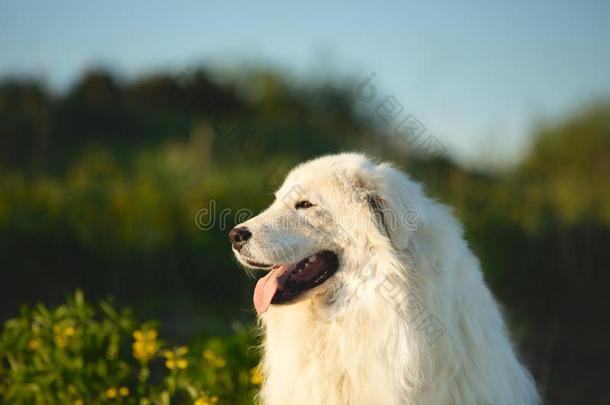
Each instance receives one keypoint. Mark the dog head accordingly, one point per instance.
(330, 216)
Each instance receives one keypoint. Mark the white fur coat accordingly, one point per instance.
(407, 318)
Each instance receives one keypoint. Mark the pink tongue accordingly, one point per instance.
(267, 286)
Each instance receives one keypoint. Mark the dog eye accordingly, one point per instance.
(303, 204)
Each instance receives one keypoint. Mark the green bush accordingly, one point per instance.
(74, 354)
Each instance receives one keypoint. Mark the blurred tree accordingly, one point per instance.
(569, 165)
(25, 115)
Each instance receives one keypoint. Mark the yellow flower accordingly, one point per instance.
(220, 362)
(33, 344)
(124, 391)
(213, 359)
(111, 393)
(69, 331)
(145, 345)
(150, 347)
(78, 402)
(138, 350)
(256, 376)
(209, 355)
(63, 335)
(205, 400)
(175, 358)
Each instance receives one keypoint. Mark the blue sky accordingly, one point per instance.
(479, 75)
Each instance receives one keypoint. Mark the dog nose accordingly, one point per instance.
(239, 236)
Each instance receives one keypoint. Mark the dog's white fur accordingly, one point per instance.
(365, 336)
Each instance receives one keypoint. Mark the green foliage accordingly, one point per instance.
(101, 187)
(569, 167)
(76, 354)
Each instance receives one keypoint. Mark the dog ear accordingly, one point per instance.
(376, 206)
(397, 204)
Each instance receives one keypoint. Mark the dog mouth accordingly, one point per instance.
(284, 283)
(259, 265)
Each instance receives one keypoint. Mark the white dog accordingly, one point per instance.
(373, 296)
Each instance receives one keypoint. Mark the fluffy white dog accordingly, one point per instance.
(372, 295)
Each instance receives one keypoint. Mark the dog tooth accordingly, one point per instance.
(312, 258)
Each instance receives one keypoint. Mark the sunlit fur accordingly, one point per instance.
(348, 341)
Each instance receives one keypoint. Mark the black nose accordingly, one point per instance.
(239, 236)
